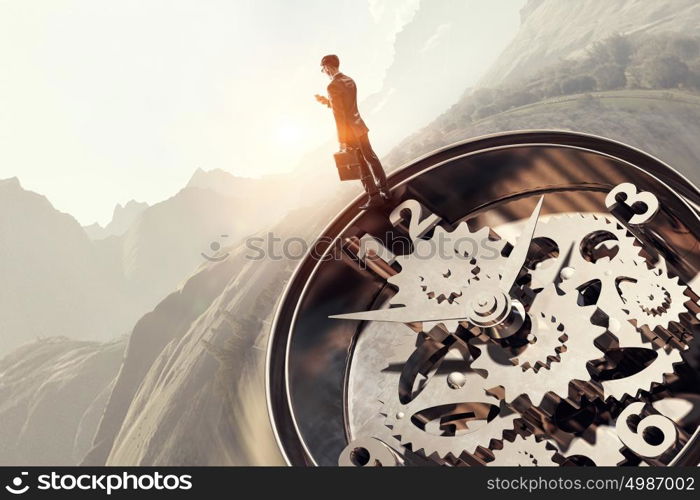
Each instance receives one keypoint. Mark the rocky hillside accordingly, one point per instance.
(52, 395)
(166, 324)
(202, 400)
(554, 29)
(58, 281)
(641, 89)
(191, 390)
(122, 218)
(55, 282)
(436, 56)
(665, 124)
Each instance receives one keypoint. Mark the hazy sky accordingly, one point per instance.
(106, 101)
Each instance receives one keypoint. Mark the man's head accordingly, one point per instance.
(330, 65)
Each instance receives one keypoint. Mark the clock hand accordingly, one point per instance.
(447, 312)
(565, 271)
(437, 312)
(517, 257)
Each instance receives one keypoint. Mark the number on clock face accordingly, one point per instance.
(625, 197)
(419, 219)
(653, 435)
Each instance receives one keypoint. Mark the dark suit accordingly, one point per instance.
(352, 131)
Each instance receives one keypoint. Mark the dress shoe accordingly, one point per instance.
(372, 201)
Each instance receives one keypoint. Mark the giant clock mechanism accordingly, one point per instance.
(526, 299)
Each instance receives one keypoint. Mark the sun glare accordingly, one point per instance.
(289, 133)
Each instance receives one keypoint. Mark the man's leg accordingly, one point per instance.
(373, 161)
(373, 198)
(368, 181)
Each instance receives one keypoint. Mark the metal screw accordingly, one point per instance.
(456, 380)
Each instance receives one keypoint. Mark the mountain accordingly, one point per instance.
(52, 394)
(191, 390)
(436, 56)
(122, 218)
(662, 123)
(640, 85)
(271, 197)
(167, 241)
(552, 30)
(59, 282)
(268, 196)
(192, 330)
(166, 324)
(55, 282)
(207, 379)
(170, 239)
(225, 183)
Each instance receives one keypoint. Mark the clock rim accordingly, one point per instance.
(617, 150)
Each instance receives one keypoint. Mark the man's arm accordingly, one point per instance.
(323, 100)
(335, 95)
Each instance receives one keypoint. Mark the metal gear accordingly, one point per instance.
(523, 452)
(594, 249)
(590, 244)
(657, 305)
(656, 302)
(591, 249)
(441, 277)
(603, 447)
(652, 374)
(653, 299)
(580, 349)
(547, 340)
(452, 414)
(368, 452)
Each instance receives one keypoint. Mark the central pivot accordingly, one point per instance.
(493, 310)
(488, 307)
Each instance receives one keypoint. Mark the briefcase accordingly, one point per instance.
(349, 164)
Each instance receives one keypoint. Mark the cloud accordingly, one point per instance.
(383, 101)
(376, 9)
(440, 33)
(395, 14)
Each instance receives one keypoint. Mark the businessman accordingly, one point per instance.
(352, 131)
